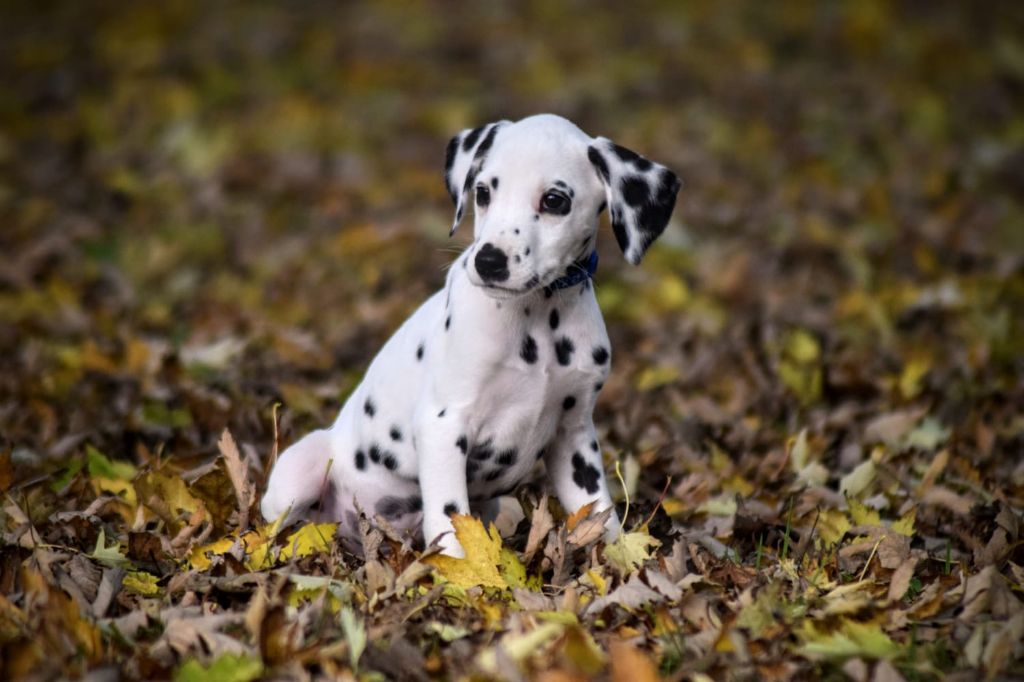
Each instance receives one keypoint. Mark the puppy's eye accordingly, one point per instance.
(555, 202)
(483, 195)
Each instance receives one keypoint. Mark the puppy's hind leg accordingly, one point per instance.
(299, 479)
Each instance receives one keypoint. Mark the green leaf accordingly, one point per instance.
(850, 639)
(227, 668)
(102, 467)
(111, 555)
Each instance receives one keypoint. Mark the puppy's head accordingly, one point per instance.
(538, 187)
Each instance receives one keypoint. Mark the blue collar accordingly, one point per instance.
(579, 271)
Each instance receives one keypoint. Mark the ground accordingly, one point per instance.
(213, 215)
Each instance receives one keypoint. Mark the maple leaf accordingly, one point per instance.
(486, 562)
(630, 550)
(311, 538)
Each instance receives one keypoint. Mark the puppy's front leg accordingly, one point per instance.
(442, 446)
(574, 466)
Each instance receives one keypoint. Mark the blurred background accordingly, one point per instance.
(207, 208)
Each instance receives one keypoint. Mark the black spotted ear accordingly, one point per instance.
(466, 154)
(641, 195)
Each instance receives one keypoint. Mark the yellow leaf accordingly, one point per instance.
(142, 583)
(857, 481)
(311, 538)
(484, 563)
(832, 525)
(255, 542)
(200, 559)
(798, 451)
(722, 505)
(863, 515)
(913, 372)
(653, 377)
(905, 526)
(518, 647)
(582, 651)
(630, 550)
(850, 639)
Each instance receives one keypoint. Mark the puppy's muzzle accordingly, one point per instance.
(491, 263)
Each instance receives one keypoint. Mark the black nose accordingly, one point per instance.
(491, 263)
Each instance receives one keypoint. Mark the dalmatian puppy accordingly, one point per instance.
(501, 368)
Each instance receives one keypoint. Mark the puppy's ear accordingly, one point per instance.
(466, 154)
(641, 195)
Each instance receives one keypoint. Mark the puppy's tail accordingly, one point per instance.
(299, 478)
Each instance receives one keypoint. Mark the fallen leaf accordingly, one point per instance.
(850, 638)
(484, 563)
(630, 550)
(629, 664)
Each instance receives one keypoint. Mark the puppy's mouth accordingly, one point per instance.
(503, 292)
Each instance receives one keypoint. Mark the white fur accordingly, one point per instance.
(473, 381)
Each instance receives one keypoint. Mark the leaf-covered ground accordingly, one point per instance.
(817, 406)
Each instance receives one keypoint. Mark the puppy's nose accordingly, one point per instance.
(491, 263)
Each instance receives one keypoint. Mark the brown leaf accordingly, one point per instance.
(629, 664)
(541, 523)
(238, 472)
(900, 581)
(589, 529)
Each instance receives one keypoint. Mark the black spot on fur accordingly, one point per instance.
(654, 215)
(369, 408)
(471, 469)
(584, 474)
(360, 460)
(396, 434)
(553, 318)
(485, 145)
(449, 161)
(540, 454)
(471, 139)
(529, 350)
(598, 386)
(569, 402)
(602, 207)
(441, 413)
(493, 475)
(600, 355)
(419, 352)
(494, 183)
(390, 462)
(534, 280)
(635, 190)
(481, 451)
(526, 311)
(593, 445)
(598, 162)
(461, 444)
(508, 457)
(619, 228)
(548, 292)
(563, 350)
(375, 454)
(391, 507)
(451, 508)
(447, 322)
